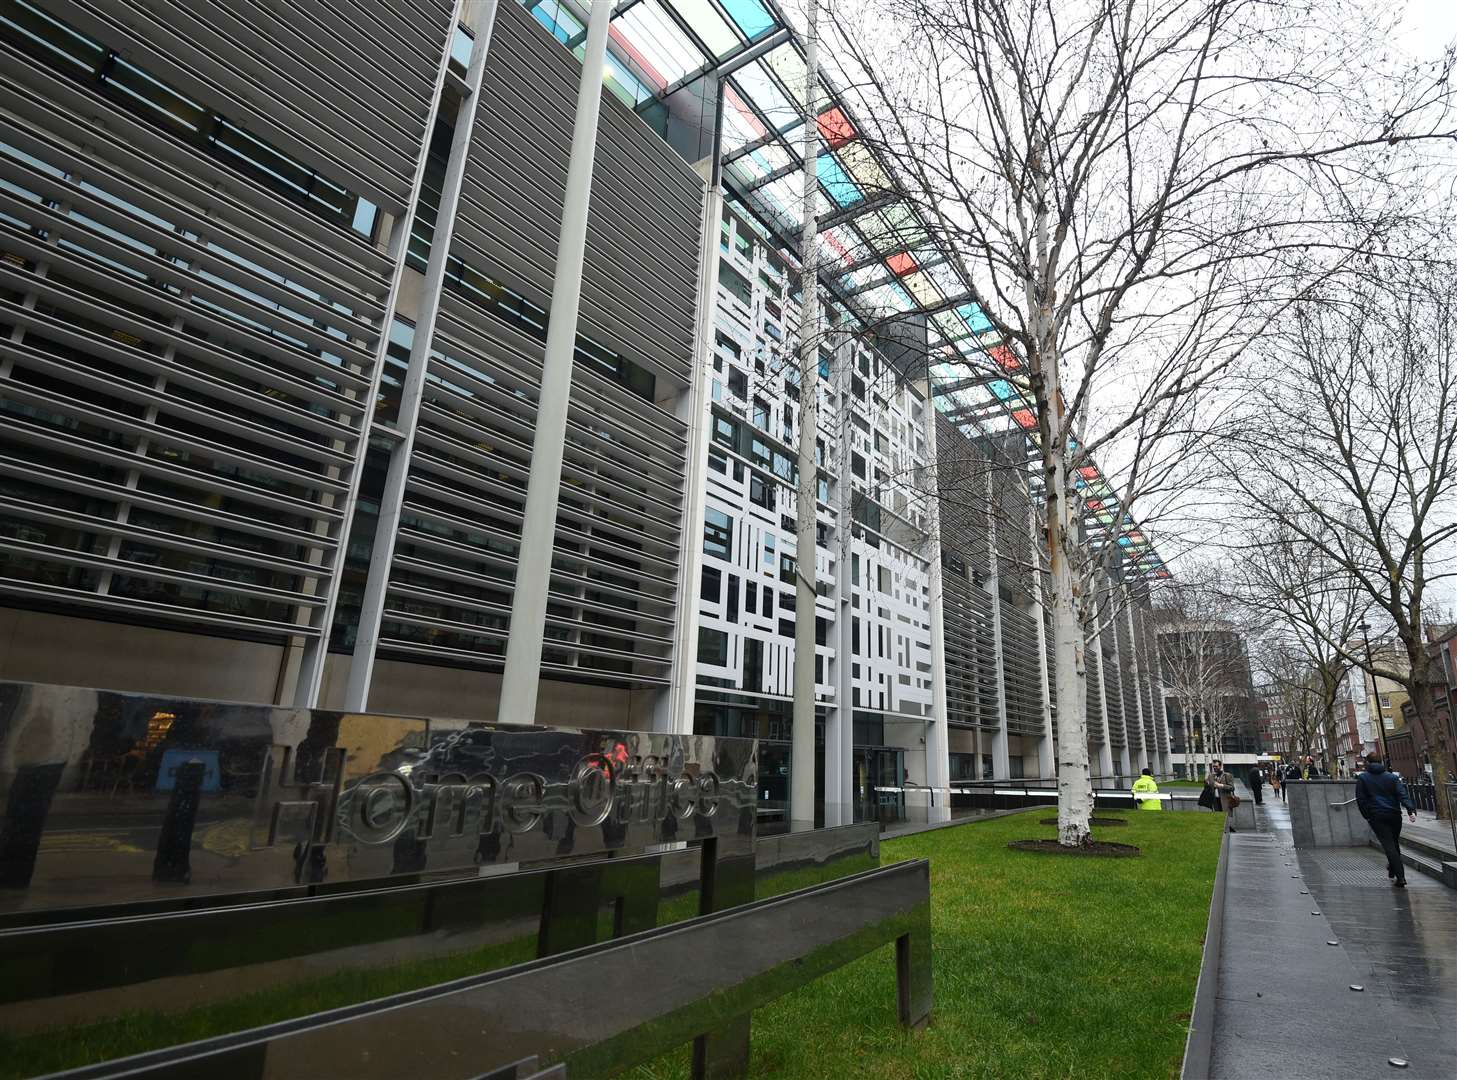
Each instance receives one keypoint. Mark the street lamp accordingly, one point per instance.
(1373, 705)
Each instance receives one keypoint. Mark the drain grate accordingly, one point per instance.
(1354, 869)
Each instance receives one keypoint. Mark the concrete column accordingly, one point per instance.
(522, 677)
(802, 731)
(1105, 751)
(1125, 761)
(840, 721)
(938, 748)
(315, 652)
(673, 711)
(412, 390)
(1000, 769)
(1134, 672)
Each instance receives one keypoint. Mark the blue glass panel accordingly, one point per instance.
(975, 319)
(839, 185)
(1003, 389)
(750, 16)
(562, 24)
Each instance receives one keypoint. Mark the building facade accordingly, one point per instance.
(274, 305)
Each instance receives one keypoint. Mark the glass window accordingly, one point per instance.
(712, 647)
(718, 537)
(761, 492)
(460, 50)
(753, 663)
(786, 569)
(738, 383)
(725, 432)
(735, 283)
(732, 599)
(711, 584)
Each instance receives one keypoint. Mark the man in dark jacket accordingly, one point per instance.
(1257, 785)
(1380, 796)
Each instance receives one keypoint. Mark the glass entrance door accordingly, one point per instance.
(879, 784)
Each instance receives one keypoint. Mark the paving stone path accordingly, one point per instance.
(1285, 1006)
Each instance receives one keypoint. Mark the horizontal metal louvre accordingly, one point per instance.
(1113, 690)
(972, 696)
(642, 252)
(1097, 730)
(343, 126)
(1022, 679)
(1135, 725)
(611, 606)
(188, 347)
(161, 165)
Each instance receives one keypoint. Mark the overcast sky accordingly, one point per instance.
(1433, 25)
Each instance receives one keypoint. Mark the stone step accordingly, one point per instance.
(1425, 859)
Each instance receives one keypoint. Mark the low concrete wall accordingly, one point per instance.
(1323, 814)
(1199, 1046)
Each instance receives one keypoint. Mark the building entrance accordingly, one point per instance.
(880, 784)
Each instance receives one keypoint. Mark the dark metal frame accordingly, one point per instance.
(601, 1008)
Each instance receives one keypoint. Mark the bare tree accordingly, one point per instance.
(1202, 658)
(1313, 610)
(1129, 193)
(1352, 449)
(1293, 695)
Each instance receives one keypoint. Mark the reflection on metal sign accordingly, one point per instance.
(112, 797)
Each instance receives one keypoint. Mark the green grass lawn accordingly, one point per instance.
(1181, 783)
(1046, 966)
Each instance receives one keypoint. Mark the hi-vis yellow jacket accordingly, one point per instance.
(1147, 785)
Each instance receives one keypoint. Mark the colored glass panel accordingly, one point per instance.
(860, 163)
(744, 113)
(750, 17)
(562, 24)
(653, 72)
(835, 127)
(1004, 358)
(839, 186)
(1088, 472)
(901, 263)
(1003, 389)
(1024, 418)
(976, 319)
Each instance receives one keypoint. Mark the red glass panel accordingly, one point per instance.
(1003, 356)
(836, 128)
(1088, 472)
(901, 264)
(1025, 418)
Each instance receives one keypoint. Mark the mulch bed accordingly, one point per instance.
(1099, 821)
(1097, 849)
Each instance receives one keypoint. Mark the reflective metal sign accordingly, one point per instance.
(112, 797)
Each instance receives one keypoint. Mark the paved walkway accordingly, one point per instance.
(1428, 829)
(1285, 1008)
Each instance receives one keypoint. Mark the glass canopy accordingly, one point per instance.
(878, 257)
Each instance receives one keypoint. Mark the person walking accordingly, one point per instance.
(1147, 785)
(1380, 796)
(1257, 785)
(1312, 770)
(1221, 784)
(1276, 784)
